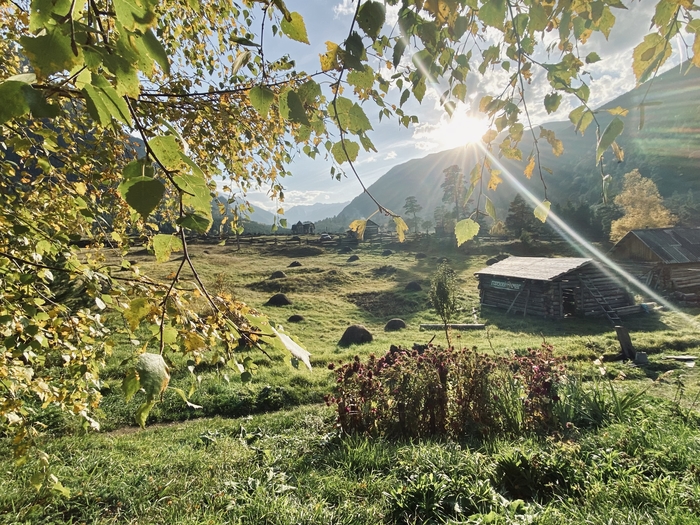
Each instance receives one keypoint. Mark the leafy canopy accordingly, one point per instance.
(118, 117)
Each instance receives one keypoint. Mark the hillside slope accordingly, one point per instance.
(666, 148)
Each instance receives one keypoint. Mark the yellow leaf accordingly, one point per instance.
(696, 50)
(329, 60)
(466, 230)
(618, 111)
(618, 151)
(542, 210)
(495, 179)
(193, 342)
(358, 227)
(80, 188)
(401, 228)
(530, 167)
(489, 136)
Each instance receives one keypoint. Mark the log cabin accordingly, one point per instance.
(554, 287)
(666, 259)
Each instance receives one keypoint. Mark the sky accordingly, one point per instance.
(325, 20)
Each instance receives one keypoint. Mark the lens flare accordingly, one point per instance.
(586, 249)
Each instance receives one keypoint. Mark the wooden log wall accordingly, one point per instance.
(685, 279)
(546, 298)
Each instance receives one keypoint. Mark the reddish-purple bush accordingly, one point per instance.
(447, 392)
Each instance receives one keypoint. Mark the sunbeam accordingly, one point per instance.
(619, 274)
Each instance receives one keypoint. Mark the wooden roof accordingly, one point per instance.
(671, 245)
(534, 268)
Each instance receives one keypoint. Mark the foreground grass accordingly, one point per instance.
(288, 468)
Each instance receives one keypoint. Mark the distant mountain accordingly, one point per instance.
(313, 212)
(262, 216)
(666, 148)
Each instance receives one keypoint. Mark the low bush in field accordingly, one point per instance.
(448, 392)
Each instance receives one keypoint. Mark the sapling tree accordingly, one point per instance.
(443, 296)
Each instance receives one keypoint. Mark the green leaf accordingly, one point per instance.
(491, 209)
(96, 106)
(538, 18)
(115, 104)
(241, 60)
(361, 79)
(460, 91)
(196, 222)
(371, 18)
(13, 102)
(493, 13)
(404, 97)
(357, 120)
(551, 102)
(138, 168)
(143, 194)
(609, 135)
(648, 56)
(466, 230)
(164, 245)
(309, 91)
(243, 41)
(135, 14)
(138, 309)
(295, 28)
(581, 118)
(352, 148)
(196, 196)
(43, 12)
(297, 351)
(142, 413)
(291, 107)
(183, 396)
(154, 375)
(261, 97)
(51, 52)
(167, 151)
(592, 58)
(542, 210)
(419, 90)
(156, 51)
(130, 384)
(399, 48)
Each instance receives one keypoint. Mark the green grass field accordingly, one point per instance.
(267, 451)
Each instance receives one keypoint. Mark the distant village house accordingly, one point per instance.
(303, 228)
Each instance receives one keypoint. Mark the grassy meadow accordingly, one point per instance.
(268, 451)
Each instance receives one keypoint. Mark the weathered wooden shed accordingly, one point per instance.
(663, 258)
(553, 287)
(371, 229)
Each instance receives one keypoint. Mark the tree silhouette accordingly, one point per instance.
(411, 206)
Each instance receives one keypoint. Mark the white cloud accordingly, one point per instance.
(344, 8)
(392, 14)
(390, 155)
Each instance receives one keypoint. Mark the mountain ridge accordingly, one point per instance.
(660, 138)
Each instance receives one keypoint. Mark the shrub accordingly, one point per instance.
(447, 392)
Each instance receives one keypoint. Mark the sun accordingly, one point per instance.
(462, 129)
